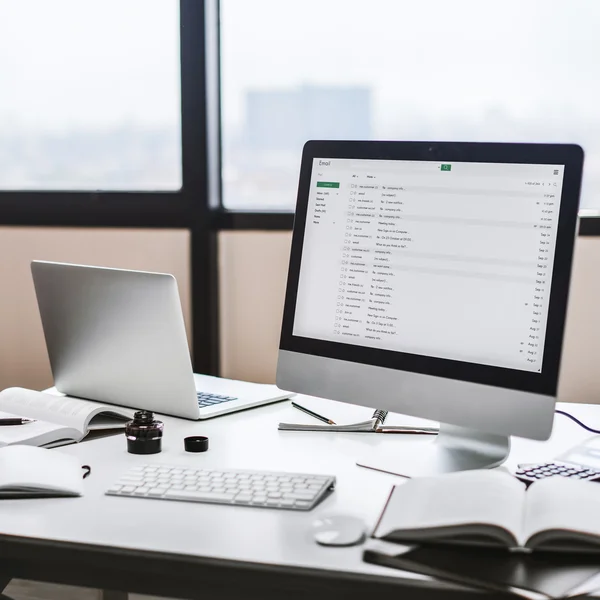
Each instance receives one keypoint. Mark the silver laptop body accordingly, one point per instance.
(118, 336)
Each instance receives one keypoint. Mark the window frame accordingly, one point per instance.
(198, 205)
(188, 208)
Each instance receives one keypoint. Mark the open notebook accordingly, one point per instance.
(373, 425)
(59, 419)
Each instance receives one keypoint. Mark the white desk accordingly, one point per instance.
(189, 549)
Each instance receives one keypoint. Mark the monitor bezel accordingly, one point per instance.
(544, 382)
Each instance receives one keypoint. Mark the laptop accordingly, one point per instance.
(118, 336)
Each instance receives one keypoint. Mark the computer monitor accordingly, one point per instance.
(431, 279)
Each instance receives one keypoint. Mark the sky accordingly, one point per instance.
(468, 69)
(430, 55)
(71, 63)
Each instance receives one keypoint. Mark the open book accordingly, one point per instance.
(58, 419)
(492, 508)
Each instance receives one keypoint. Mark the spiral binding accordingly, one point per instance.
(380, 416)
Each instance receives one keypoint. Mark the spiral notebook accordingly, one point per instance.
(373, 425)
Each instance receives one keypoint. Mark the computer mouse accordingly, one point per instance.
(339, 530)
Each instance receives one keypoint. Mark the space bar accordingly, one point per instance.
(198, 496)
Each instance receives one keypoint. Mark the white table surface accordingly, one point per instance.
(250, 440)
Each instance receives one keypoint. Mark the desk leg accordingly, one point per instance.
(114, 595)
(4, 581)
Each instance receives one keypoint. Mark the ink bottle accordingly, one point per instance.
(144, 433)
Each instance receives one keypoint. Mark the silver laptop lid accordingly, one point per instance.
(116, 336)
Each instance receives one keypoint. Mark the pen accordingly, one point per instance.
(16, 421)
(313, 414)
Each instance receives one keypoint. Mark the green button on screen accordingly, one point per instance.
(446, 167)
(328, 184)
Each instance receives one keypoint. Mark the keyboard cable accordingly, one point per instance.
(580, 423)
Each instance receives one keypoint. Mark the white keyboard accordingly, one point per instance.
(293, 491)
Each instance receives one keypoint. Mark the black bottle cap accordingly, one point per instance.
(196, 443)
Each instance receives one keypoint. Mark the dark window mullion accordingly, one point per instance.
(93, 209)
(195, 89)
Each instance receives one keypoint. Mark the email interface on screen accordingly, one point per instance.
(450, 260)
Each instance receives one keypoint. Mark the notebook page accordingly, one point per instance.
(454, 499)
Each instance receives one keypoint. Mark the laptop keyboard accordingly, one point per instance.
(207, 399)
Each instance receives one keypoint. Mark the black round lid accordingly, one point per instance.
(196, 443)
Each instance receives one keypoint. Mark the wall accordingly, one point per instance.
(253, 271)
(23, 357)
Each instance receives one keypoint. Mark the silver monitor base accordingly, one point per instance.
(455, 449)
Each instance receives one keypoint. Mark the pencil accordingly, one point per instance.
(313, 414)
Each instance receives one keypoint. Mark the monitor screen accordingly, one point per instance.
(449, 260)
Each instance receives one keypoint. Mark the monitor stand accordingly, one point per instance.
(455, 449)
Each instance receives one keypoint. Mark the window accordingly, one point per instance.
(431, 70)
(90, 95)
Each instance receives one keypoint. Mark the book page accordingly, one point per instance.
(36, 433)
(71, 412)
(564, 504)
(466, 498)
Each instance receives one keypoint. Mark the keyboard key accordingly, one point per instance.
(317, 481)
(199, 496)
(141, 491)
(299, 495)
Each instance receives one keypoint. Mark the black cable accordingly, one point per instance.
(566, 414)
